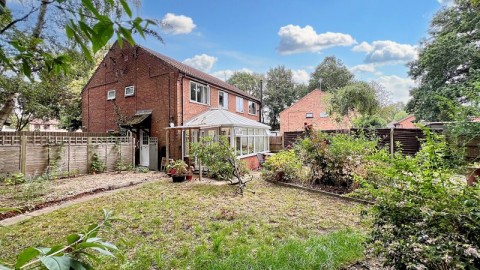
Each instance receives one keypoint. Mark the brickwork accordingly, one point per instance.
(316, 103)
(158, 86)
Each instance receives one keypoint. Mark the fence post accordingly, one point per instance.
(89, 146)
(23, 153)
(392, 146)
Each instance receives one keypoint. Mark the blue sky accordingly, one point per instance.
(374, 38)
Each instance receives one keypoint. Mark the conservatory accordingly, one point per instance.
(248, 137)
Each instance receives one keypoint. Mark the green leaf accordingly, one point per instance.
(72, 238)
(104, 31)
(89, 5)
(105, 252)
(26, 255)
(26, 69)
(56, 263)
(127, 35)
(54, 249)
(69, 31)
(78, 265)
(126, 8)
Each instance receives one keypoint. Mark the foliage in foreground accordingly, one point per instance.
(76, 254)
(423, 218)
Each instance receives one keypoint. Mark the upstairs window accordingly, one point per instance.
(223, 100)
(323, 114)
(239, 104)
(199, 93)
(309, 115)
(252, 108)
(129, 91)
(111, 94)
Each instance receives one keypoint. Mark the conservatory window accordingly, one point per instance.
(249, 141)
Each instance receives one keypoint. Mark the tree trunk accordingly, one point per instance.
(7, 109)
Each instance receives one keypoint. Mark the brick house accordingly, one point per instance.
(406, 122)
(311, 109)
(145, 92)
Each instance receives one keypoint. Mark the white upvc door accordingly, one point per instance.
(144, 149)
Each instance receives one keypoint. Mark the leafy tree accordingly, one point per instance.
(392, 111)
(301, 89)
(248, 82)
(369, 121)
(448, 66)
(279, 94)
(30, 44)
(356, 98)
(332, 73)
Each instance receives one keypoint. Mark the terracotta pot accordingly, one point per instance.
(472, 176)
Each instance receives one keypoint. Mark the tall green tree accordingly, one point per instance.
(248, 82)
(279, 94)
(332, 74)
(357, 100)
(448, 66)
(32, 46)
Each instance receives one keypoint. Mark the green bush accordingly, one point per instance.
(283, 166)
(97, 164)
(335, 159)
(423, 218)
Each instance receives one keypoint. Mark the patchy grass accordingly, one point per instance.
(203, 226)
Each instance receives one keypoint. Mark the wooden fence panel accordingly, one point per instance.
(276, 143)
(9, 158)
(55, 152)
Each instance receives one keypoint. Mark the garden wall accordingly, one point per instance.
(35, 153)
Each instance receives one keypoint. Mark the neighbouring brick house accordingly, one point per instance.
(311, 109)
(146, 92)
(406, 122)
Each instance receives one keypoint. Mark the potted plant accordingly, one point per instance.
(190, 173)
(179, 171)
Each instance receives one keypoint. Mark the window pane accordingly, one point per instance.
(258, 144)
(244, 145)
(199, 93)
(238, 145)
(221, 102)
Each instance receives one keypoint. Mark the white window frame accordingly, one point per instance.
(132, 88)
(239, 101)
(252, 103)
(309, 115)
(109, 97)
(324, 115)
(200, 87)
(225, 100)
(257, 133)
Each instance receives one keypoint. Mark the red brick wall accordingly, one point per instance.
(192, 109)
(294, 117)
(152, 79)
(252, 162)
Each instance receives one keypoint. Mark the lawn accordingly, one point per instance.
(204, 226)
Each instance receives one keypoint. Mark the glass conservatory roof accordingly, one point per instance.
(224, 118)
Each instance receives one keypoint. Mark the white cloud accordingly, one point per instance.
(370, 68)
(446, 2)
(300, 76)
(202, 62)
(227, 73)
(387, 51)
(363, 47)
(295, 39)
(177, 24)
(397, 86)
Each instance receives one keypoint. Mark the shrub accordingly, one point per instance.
(97, 164)
(335, 159)
(283, 166)
(422, 218)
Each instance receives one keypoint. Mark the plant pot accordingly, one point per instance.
(178, 178)
(189, 177)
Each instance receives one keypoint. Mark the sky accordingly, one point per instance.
(375, 39)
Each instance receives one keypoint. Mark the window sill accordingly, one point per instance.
(252, 155)
(199, 103)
